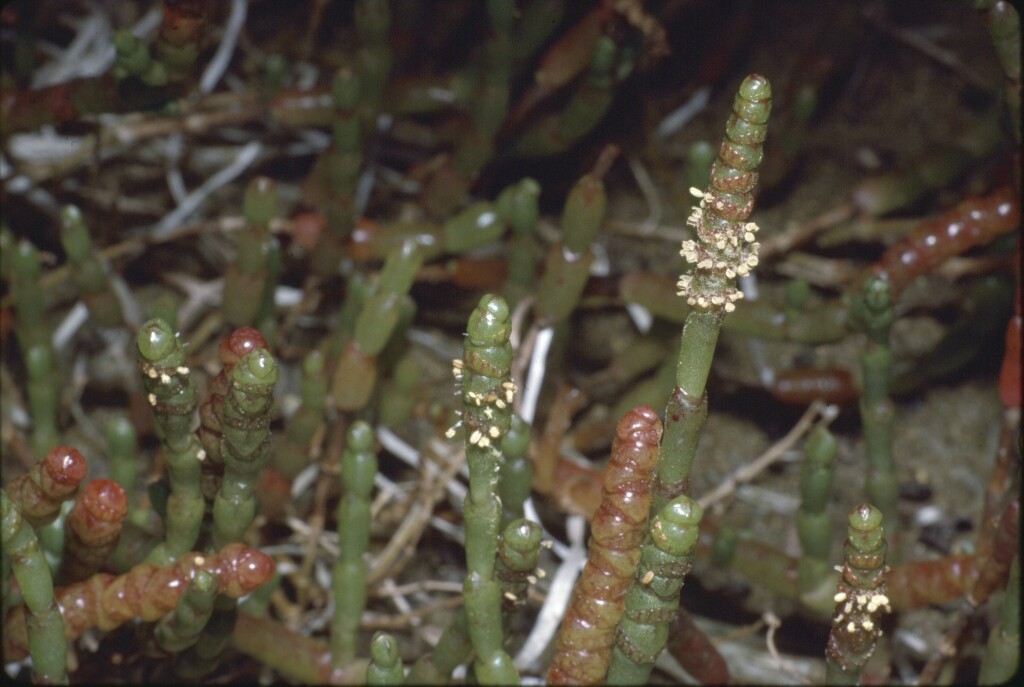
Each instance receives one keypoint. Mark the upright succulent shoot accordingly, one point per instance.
(724, 249)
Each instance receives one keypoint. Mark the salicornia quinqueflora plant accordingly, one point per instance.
(724, 249)
(860, 597)
(358, 468)
(652, 602)
(486, 415)
(171, 392)
(410, 157)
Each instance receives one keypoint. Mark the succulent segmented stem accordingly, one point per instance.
(385, 664)
(518, 552)
(568, 263)
(292, 453)
(695, 652)
(89, 274)
(813, 521)
(43, 396)
(520, 210)
(483, 373)
(1002, 652)
(652, 601)
(557, 132)
(358, 468)
(724, 249)
(39, 493)
(145, 592)
(516, 471)
(583, 645)
(249, 282)
(973, 222)
(232, 348)
(41, 627)
(245, 443)
(181, 628)
(872, 312)
(452, 650)
(122, 460)
(399, 396)
(861, 598)
(477, 225)
(356, 372)
(92, 528)
(28, 296)
(171, 393)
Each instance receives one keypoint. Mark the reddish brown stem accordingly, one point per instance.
(974, 222)
(917, 584)
(1007, 542)
(231, 349)
(145, 592)
(92, 529)
(695, 652)
(40, 492)
(584, 642)
(802, 386)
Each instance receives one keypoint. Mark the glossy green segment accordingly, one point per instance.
(28, 295)
(250, 281)
(872, 312)
(171, 393)
(518, 205)
(358, 469)
(567, 266)
(1001, 660)
(813, 521)
(121, 446)
(244, 444)
(487, 415)
(516, 470)
(386, 308)
(182, 628)
(292, 453)
(652, 600)
(385, 664)
(557, 132)
(43, 397)
(477, 225)
(400, 395)
(88, 273)
(46, 641)
(583, 213)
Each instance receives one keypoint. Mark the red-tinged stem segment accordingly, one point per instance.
(861, 598)
(1006, 545)
(145, 592)
(695, 652)
(584, 642)
(917, 584)
(232, 348)
(974, 222)
(913, 584)
(92, 528)
(40, 492)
